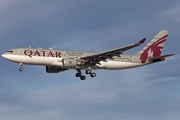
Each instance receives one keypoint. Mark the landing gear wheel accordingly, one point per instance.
(20, 69)
(20, 65)
(88, 71)
(93, 74)
(78, 74)
(83, 77)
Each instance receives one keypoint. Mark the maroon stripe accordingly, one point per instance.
(164, 37)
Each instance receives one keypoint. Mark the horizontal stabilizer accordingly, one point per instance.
(160, 58)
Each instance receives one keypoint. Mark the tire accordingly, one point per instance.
(78, 74)
(83, 77)
(93, 74)
(88, 72)
(21, 69)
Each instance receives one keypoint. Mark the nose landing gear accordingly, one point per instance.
(21, 68)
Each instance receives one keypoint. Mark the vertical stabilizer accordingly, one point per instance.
(154, 47)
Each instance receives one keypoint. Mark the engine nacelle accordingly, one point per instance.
(51, 69)
(69, 63)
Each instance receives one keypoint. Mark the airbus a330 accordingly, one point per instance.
(61, 60)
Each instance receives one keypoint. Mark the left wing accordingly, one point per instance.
(102, 56)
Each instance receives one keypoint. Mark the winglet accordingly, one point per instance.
(142, 41)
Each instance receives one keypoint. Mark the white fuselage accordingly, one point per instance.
(40, 58)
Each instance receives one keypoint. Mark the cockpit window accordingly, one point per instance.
(10, 51)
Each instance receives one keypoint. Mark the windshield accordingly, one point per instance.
(10, 51)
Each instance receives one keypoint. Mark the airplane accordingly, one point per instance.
(56, 61)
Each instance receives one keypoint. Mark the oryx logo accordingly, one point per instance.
(154, 50)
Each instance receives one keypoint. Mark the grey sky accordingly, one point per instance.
(150, 92)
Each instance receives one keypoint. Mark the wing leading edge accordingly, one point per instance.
(102, 56)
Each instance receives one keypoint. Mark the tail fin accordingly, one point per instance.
(154, 47)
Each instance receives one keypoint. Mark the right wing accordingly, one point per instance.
(102, 56)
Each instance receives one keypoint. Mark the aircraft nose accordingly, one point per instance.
(3, 55)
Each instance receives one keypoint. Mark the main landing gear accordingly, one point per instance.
(92, 74)
(21, 68)
(79, 74)
(82, 77)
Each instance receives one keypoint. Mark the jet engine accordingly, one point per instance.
(69, 63)
(52, 69)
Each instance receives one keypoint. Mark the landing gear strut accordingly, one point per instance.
(21, 68)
